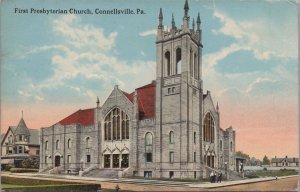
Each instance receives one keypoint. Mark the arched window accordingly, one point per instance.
(171, 137)
(209, 125)
(88, 142)
(69, 143)
(191, 63)
(46, 145)
(57, 144)
(116, 125)
(148, 147)
(231, 147)
(195, 67)
(168, 63)
(178, 61)
(221, 145)
(148, 139)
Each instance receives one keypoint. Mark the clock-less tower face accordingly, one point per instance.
(178, 93)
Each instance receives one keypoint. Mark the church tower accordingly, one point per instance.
(178, 97)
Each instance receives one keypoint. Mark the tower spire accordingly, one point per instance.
(198, 22)
(98, 102)
(160, 18)
(186, 8)
(22, 114)
(173, 22)
(193, 24)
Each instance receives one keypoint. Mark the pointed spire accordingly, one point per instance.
(98, 102)
(160, 18)
(186, 8)
(173, 22)
(22, 114)
(193, 24)
(198, 21)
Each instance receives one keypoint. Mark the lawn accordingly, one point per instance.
(271, 173)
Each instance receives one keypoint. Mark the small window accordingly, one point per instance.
(221, 145)
(231, 147)
(20, 149)
(148, 139)
(169, 90)
(57, 144)
(171, 174)
(173, 89)
(171, 137)
(46, 160)
(46, 145)
(69, 159)
(171, 157)
(20, 137)
(37, 152)
(69, 143)
(195, 137)
(88, 158)
(147, 174)
(148, 157)
(195, 157)
(88, 143)
(195, 174)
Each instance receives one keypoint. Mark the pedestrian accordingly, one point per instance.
(211, 176)
(220, 177)
(215, 177)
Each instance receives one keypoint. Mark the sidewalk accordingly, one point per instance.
(204, 185)
(238, 182)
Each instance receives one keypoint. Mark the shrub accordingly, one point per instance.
(7, 168)
(23, 170)
(31, 163)
(265, 169)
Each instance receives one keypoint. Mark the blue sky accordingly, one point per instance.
(249, 57)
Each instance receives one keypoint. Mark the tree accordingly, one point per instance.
(31, 163)
(266, 160)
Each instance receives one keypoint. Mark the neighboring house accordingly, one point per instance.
(169, 128)
(285, 162)
(19, 143)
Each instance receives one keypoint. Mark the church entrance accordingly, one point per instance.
(210, 161)
(57, 161)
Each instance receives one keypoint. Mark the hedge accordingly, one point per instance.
(23, 170)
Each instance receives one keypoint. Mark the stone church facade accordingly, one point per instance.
(169, 128)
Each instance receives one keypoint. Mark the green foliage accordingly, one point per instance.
(23, 170)
(270, 173)
(266, 160)
(242, 154)
(7, 168)
(31, 163)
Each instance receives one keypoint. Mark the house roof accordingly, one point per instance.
(288, 160)
(22, 129)
(146, 100)
(83, 117)
(34, 136)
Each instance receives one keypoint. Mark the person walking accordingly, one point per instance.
(220, 177)
(211, 176)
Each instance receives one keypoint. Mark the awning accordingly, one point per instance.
(7, 161)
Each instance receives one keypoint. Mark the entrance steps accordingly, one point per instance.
(103, 173)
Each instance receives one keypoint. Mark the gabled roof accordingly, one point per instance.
(22, 128)
(146, 100)
(289, 160)
(83, 117)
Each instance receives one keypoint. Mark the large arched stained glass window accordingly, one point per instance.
(116, 125)
(208, 130)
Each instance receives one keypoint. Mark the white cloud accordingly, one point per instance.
(148, 32)
(258, 82)
(86, 52)
(265, 38)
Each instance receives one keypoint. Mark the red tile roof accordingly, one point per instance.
(84, 117)
(146, 100)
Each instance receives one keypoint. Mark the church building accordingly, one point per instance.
(168, 128)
